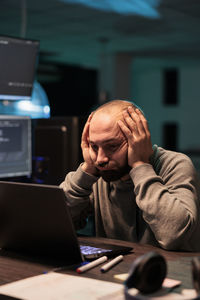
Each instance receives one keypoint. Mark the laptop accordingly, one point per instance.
(35, 220)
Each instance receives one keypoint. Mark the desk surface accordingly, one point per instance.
(178, 263)
(13, 268)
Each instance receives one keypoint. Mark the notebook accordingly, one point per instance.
(35, 220)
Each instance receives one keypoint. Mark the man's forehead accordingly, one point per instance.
(104, 132)
(106, 116)
(105, 141)
(100, 121)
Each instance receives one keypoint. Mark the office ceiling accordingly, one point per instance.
(73, 33)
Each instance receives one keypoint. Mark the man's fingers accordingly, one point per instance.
(123, 127)
(85, 133)
(130, 122)
(126, 131)
(144, 121)
(139, 119)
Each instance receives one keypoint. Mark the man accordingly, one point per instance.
(136, 191)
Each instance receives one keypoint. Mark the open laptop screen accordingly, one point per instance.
(35, 219)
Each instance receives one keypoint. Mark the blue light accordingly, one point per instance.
(145, 8)
(37, 107)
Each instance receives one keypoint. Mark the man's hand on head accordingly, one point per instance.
(88, 165)
(135, 128)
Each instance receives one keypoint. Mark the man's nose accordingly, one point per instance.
(102, 158)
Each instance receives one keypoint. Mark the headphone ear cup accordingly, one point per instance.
(147, 273)
(196, 273)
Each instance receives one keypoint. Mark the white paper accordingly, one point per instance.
(56, 286)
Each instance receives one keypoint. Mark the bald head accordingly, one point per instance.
(114, 109)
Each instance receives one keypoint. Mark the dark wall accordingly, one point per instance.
(71, 90)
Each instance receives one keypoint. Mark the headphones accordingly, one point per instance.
(148, 272)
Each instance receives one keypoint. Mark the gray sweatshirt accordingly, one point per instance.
(159, 205)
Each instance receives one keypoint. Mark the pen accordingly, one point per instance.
(110, 264)
(92, 264)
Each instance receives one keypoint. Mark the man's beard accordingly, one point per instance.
(113, 175)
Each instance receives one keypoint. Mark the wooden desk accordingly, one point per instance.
(179, 265)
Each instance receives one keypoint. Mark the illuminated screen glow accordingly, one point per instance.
(145, 8)
(15, 146)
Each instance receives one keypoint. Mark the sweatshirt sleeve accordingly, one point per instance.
(78, 190)
(168, 199)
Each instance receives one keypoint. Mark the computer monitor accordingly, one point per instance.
(15, 146)
(18, 60)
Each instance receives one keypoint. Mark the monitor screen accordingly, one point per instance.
(18, 60)
(15, 146)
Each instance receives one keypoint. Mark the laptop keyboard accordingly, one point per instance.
(88, 250)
